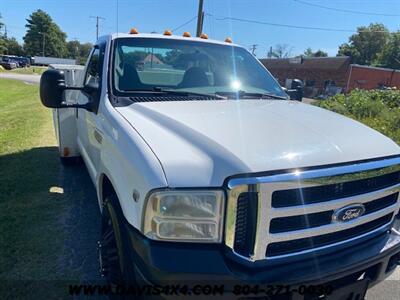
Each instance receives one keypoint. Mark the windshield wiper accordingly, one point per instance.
(242, 94)
(161, 90)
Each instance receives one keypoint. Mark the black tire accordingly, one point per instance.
(115, 263)
(70, 161)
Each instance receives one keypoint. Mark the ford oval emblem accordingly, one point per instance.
(348, 213)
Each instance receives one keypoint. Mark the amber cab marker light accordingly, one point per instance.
(133, 31)
(186, 34)
(167, 32)
(228, 40)
(204, 36)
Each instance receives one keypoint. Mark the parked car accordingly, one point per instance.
(7, 63)
(24, 62)
(206, 172)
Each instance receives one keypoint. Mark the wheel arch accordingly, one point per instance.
(106, 188)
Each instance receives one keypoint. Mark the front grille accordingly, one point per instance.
(246, 217)
(282, 248)
(295, 211)
(324, 218)
(333, 191)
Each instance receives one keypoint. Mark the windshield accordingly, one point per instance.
(154, 64)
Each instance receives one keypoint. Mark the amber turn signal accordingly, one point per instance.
(133, 31)
(167, 32)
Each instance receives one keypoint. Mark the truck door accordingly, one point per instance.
(88, 122)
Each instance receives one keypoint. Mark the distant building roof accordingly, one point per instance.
(375, 68)
(325, 63)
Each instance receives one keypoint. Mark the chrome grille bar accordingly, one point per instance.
(298, 179)
(333, 204)
(334, 227)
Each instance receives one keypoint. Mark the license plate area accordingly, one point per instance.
(354, 291)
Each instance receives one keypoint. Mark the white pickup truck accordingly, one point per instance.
(205, 171)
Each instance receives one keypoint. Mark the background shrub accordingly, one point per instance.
(379, 109)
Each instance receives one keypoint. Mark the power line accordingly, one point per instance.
(292, 26)
(184, 24)
(346, 10)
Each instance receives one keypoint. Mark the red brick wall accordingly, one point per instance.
(318, 75)
(372, 78)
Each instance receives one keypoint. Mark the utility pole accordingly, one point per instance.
(97, 24)
(270, 52)
(253, 49)
(200, 19)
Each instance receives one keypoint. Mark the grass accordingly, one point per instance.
(49, 217)
(30, 70)
(29, 168)
(30, 234)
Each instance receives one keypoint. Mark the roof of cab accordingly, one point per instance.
(171, 37)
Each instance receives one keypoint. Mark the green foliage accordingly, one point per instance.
(310, 53)
(1, 24)
(79, 51)
(379, 109)
(39, 24)
(390, 55)
(13, 47)
(2, 38)
(365, 46)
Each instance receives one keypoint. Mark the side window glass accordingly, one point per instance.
(93, 74)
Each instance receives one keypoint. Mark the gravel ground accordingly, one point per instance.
(22, 77)
(82, 224)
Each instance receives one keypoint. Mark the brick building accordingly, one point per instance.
(325, 75)
(368, 78)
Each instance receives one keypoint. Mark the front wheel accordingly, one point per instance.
(115, 264)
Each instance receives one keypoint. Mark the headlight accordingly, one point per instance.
(184, 215)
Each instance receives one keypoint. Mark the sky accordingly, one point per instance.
(74, 18)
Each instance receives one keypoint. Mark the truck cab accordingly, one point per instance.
(206, 171)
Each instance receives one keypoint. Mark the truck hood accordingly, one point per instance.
(201, 143)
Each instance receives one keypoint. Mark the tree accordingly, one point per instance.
(1, 25)
(84, 51)
(282, 51)
(3, 47)
(390, 55)
(13, 47)
(41, 30)
(319, 53)
(365, 46)
(79, 51)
